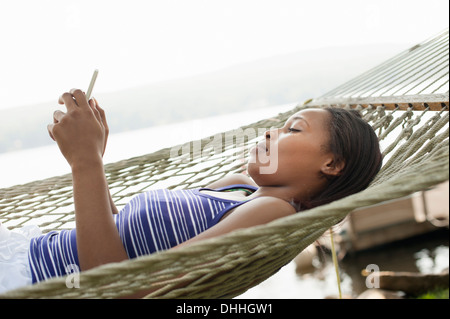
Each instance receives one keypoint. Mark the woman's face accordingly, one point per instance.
(294, 154)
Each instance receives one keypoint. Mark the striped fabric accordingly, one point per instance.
(152, 221)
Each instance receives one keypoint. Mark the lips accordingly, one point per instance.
(262, 147)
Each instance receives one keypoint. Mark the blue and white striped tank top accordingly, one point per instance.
(151, 222)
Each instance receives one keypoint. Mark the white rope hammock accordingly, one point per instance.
(413, 130)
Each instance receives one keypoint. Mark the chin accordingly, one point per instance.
(254, 171)
(251, 169)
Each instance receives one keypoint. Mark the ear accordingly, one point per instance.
(332, 167)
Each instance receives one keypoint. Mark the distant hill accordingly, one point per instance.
(267, 82)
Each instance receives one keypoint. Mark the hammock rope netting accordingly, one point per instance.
(405, 99)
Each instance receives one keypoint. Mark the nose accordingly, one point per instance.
(272, 133)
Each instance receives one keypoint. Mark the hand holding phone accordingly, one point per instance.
(81, 136)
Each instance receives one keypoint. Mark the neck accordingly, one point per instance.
(290, 194)
(281, 192)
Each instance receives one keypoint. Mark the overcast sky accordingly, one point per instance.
(50, 46)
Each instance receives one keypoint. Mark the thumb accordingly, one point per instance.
(50, 131)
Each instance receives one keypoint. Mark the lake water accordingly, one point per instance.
(426, 254)
(38, 163)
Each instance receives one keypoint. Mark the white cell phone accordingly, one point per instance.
(91, 85)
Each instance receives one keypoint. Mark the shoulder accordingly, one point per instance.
(259, 211)
(270, 205)
(231, 180)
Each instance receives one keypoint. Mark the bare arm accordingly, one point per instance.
(80, 135)
(257, 212)
(101, 112)
(114, 209)
(98, 241)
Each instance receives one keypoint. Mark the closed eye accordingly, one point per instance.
(293, 130)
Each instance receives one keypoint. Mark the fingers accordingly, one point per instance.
(50, 131)
(95, 110)
(93, 102)
(57, 117)
(80, 98)
(67, 99)
(74, 98)
(102, 113)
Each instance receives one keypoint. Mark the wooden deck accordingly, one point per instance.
(396, 220)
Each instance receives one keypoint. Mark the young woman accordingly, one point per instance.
(318, 156)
